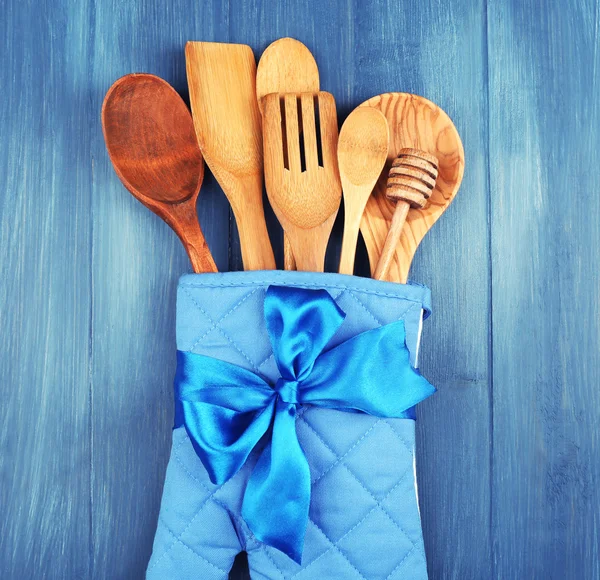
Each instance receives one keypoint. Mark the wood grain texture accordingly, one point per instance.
(132, 357)
(410, 183)
(438, 50)
(45, 293)
(286, 66)
(415, 122)
(545, 123)
(327, 31)
(87, 343)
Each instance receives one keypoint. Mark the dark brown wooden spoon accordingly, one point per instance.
(152, 144)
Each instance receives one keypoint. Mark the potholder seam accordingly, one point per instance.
(266, 552)
(302, 285)
(399, 437)
(340, 461)
(367, 310)
(339, 458)
(218, 322)
(226, 336)
(189, 548)
(188, 525)
(401, 561)
(392, 489)
(337, 548)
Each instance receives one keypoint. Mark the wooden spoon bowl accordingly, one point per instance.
(415, 123)
(286, 66)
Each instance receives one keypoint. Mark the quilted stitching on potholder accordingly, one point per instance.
(375, 535)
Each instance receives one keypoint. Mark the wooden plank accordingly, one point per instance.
(367, 48)
(136, 262)
(437, 50)
(45, 176)
(323, 29)
(544, 155)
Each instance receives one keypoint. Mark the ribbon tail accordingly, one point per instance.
(277, 497)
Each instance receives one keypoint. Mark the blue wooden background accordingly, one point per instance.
(509, 452)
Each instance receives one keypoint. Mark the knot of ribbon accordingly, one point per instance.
(227, 410)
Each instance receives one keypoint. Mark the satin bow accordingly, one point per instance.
(227, 410)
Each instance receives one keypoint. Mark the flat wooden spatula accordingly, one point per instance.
(222, 83)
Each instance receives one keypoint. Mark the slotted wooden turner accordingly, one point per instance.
(301, 175)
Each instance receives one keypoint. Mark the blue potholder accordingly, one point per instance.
(364, 521)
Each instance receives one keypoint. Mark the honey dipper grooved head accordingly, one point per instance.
(412, 177)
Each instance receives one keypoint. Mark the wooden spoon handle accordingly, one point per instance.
(199, 254)
(257, 253)
(289, 262)
(184, 221)
(348, 254)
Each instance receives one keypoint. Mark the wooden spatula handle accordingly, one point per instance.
(410, 183)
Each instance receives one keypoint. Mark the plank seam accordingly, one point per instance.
(91, 386)
(492, 542)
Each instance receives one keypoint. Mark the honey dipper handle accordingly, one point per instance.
(391, 240)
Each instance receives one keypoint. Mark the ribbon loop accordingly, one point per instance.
(227, 410)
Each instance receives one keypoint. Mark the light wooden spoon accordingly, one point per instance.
(150, 139)
(286, 66)
(414, 123)
(222, 83)
(362, 152)
(305, 196)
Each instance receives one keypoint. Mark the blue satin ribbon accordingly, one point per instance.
(227, 410)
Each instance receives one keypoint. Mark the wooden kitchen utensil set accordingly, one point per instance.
(275, 121)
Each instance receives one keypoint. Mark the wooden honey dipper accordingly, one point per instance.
(410, 182)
